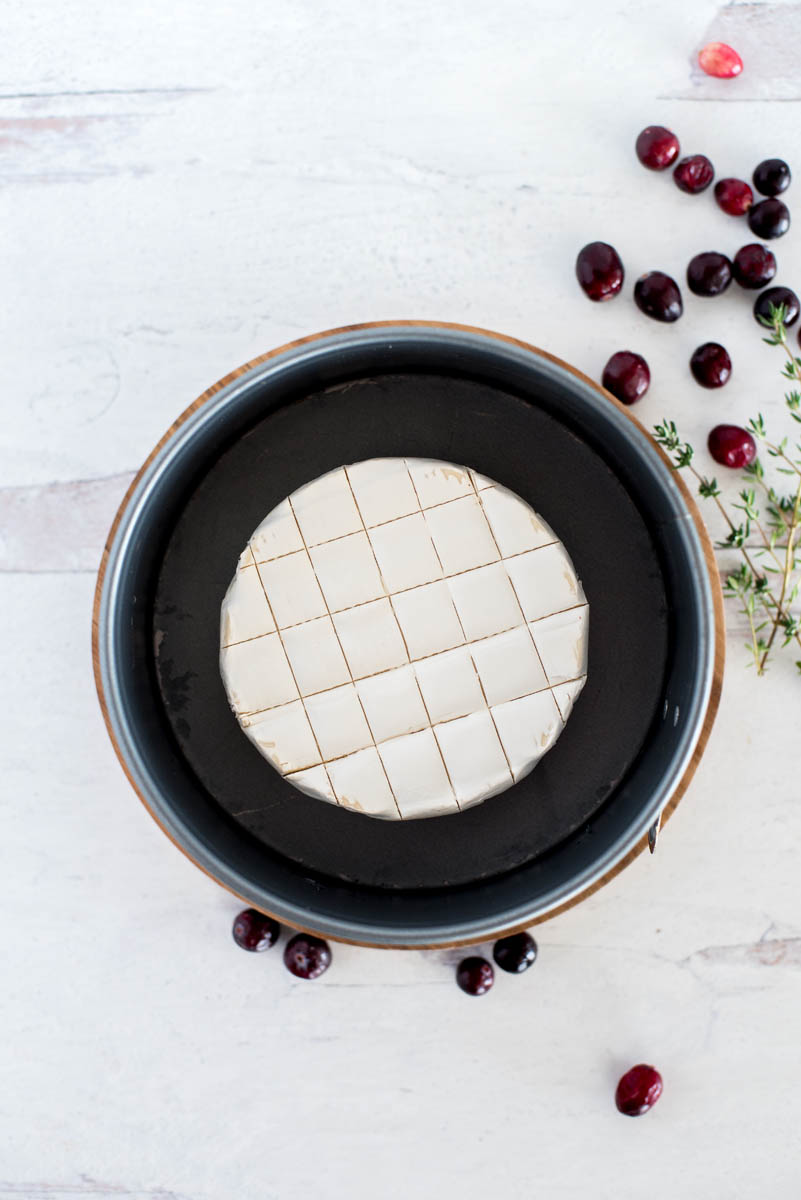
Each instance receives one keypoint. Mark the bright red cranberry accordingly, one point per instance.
(475, 976)
(732, 446)
(657, 148)
(638, 1090)
(769, 219)
(709, 273)
(773, 297)
(711, 365)
(734, 196)
(658, 296)
(694, 174)
(599, 270)
(626, 376)
(307, 956)
(754, 265)
(255, 931)
(515, 953)
(772, 176)
(720, 60)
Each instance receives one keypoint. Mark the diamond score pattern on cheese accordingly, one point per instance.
(404, 638)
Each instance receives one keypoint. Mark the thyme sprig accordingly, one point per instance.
(767, 581)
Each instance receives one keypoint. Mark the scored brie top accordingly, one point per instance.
(403, 637)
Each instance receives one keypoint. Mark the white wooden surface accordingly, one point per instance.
(183, 187)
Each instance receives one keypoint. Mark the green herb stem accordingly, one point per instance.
(775, 588)
(789, 560)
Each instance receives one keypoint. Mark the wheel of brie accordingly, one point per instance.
(404, 638)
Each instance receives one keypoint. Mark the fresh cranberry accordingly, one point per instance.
(517, 952)
(754, 265)
(657, 148)
(475, 976)
(720, 60)
(255, 931)
(772, 176)
(709, 273)
(774, 297)
(694, 174)
(731, 446)
(307, 956)
(626, 376)
(599, 270)
(769, 219)
(734, 196)
(658, 296)
(638, 1090)
(711, 365)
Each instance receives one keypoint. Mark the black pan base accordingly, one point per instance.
(519, 444)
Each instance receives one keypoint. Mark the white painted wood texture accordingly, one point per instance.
(184, 187)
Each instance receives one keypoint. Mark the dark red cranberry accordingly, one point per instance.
(657, 148)
(694, 174)
(769, 218)
(711, 365)
(709, 273)
(599, 270)
(754, 265)
(658, 296)
(720, 60)
(732, 446)
(475, 976)
(515, 953)
(775, 296)
(307, 956)
(734, 196)
(626, 376)
(638, 1090)
(255, 931)
(772, 176)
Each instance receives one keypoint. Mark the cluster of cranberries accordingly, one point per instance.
(637, 1091)
(308, 957)
(600, 273)
(657, 149)
(513, 954)
(305, 955)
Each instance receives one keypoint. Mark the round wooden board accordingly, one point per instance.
(717, 681)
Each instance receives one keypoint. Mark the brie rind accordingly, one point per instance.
(404, 638)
